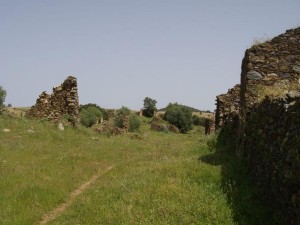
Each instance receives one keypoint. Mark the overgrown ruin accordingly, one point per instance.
(61, 104)
(266, 128)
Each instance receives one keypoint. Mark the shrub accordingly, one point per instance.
(197, 120)
(134, 121)
(102, 110)
(89, 116)
(149, 107)
(180, 116)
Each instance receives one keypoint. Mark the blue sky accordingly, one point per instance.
(185, 51)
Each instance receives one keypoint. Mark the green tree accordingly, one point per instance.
(89, 116)
(134, 122)
(180, 116)
(2, 96)
(149, 107)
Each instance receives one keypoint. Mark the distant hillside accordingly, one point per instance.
(191, 108)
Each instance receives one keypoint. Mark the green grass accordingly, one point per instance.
(157, 180)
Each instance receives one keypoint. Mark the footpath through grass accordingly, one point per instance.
(157, 180)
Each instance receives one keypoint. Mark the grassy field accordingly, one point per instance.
(76, 176)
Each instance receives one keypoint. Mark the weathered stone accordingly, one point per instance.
(61, 127)
(253, 75)
(272, 75)
(258, 59)
(293, 94)
(296, 68)
(285, 75)
(250, 66)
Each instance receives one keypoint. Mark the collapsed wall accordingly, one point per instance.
(63, 102)
(227, 106)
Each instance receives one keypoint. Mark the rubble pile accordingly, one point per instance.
(158, 125)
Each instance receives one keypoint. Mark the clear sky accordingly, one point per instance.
(121, 51)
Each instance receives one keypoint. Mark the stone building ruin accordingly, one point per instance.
(227, 106)
(62, 103)
(270, 69)
(266, 108)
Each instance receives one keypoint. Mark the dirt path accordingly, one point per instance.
(61, 208)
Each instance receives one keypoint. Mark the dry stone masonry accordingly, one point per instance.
(63, 102)
(271, 68)
(209, 126)
(272, 151)
(268, 123)
(227, 106)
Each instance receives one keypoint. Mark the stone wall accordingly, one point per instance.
(209, 126)
(267, 129)
(271, 68)
(63, 102)
(272, 152)
(227, 106)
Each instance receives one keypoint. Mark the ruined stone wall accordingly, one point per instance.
(227, 106)
(62, 102)
(271, 68)
(268, 134)
(272, 152)
(209, 126)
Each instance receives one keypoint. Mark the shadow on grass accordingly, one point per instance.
(212, 159)
(248, 203)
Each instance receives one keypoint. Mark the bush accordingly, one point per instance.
(149, 107)
(89, 116)
(134, 122)
(180, 116)
(102, 110)
(198, 121)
